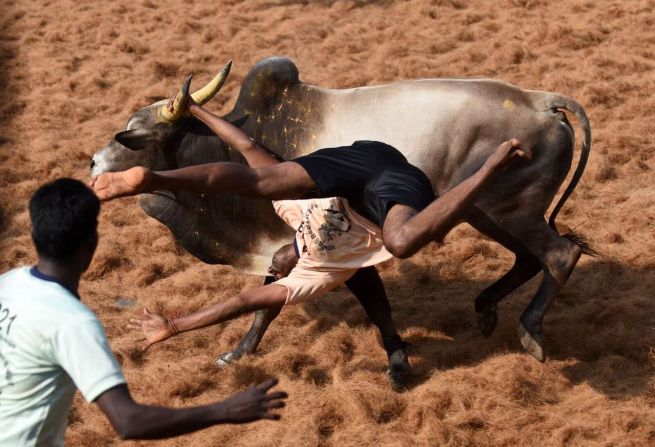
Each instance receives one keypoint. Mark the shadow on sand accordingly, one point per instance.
(601, 323)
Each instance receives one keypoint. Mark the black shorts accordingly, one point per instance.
(371, 175)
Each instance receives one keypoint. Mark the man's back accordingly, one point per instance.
(50, 344)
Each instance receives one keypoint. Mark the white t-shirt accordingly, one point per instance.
(50, 344)
(333, 242)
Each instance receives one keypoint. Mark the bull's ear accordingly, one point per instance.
(136, 139)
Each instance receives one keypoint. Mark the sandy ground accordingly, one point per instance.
(71, 73)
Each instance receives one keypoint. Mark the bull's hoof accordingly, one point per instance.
(399, 369)
(533, 342)
(227, 358)
(487, 321)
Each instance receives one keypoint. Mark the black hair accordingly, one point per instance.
(64, 215)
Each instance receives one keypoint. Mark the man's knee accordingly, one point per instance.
(283, 181)
(266, 181)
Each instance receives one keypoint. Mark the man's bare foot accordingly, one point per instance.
(112, 185)
(507, 151)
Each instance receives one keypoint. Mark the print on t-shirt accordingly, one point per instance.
(331, 223)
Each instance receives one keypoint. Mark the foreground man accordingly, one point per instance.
(51, 343)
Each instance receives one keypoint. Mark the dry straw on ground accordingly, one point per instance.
(72, 72)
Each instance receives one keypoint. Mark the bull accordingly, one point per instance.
(446, 127)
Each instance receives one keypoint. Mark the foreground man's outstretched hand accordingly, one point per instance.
(255, 403)
(112, 185)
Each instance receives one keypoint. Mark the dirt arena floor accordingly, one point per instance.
(72, 72)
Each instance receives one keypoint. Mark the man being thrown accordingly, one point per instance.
(375, 179)
(51, 343)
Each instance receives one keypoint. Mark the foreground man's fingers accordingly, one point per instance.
(277, 395)
(267, 385)
(276, 404)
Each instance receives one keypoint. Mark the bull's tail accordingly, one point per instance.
(554, 101)
(582, 242)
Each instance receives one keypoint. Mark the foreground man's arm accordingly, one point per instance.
(132, 420)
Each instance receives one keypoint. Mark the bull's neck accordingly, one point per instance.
(231, 229)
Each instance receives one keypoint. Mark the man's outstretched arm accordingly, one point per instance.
(132, 420)
(157, 328)
(255, 155)
(406, 231)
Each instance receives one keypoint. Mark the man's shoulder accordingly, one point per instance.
(15, 285)
(14, 275)
(41, 299)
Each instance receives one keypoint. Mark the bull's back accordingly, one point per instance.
(446, 127)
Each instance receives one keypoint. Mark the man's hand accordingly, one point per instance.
(507, 151)
(253, 404)
(111, 185)
(155, 328)
(188, 104)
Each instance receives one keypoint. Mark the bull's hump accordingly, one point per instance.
(265, 81)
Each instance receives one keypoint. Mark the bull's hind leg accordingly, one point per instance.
(537, 247)
(558, 256)
(525, 267)
(487, 301)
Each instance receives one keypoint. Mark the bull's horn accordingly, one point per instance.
(179, 103)
(208, 91)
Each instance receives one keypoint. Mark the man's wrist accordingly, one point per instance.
(489, 168)
(195, 109)
(172, 327)
(220, 413)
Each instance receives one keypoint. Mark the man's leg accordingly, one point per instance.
(281, 181)
(369, 290)
(406, 231)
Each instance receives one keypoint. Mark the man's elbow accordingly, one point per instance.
(398, 245)
(128, 425)
(126, 430)
(249, 146)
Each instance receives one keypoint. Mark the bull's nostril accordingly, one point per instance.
(92, 164)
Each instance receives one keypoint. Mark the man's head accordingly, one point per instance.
(284, 260)
(64, 217)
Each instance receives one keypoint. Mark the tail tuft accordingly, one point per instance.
(582, 242)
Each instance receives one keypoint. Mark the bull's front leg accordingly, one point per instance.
(250, 342)
(369, 290)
